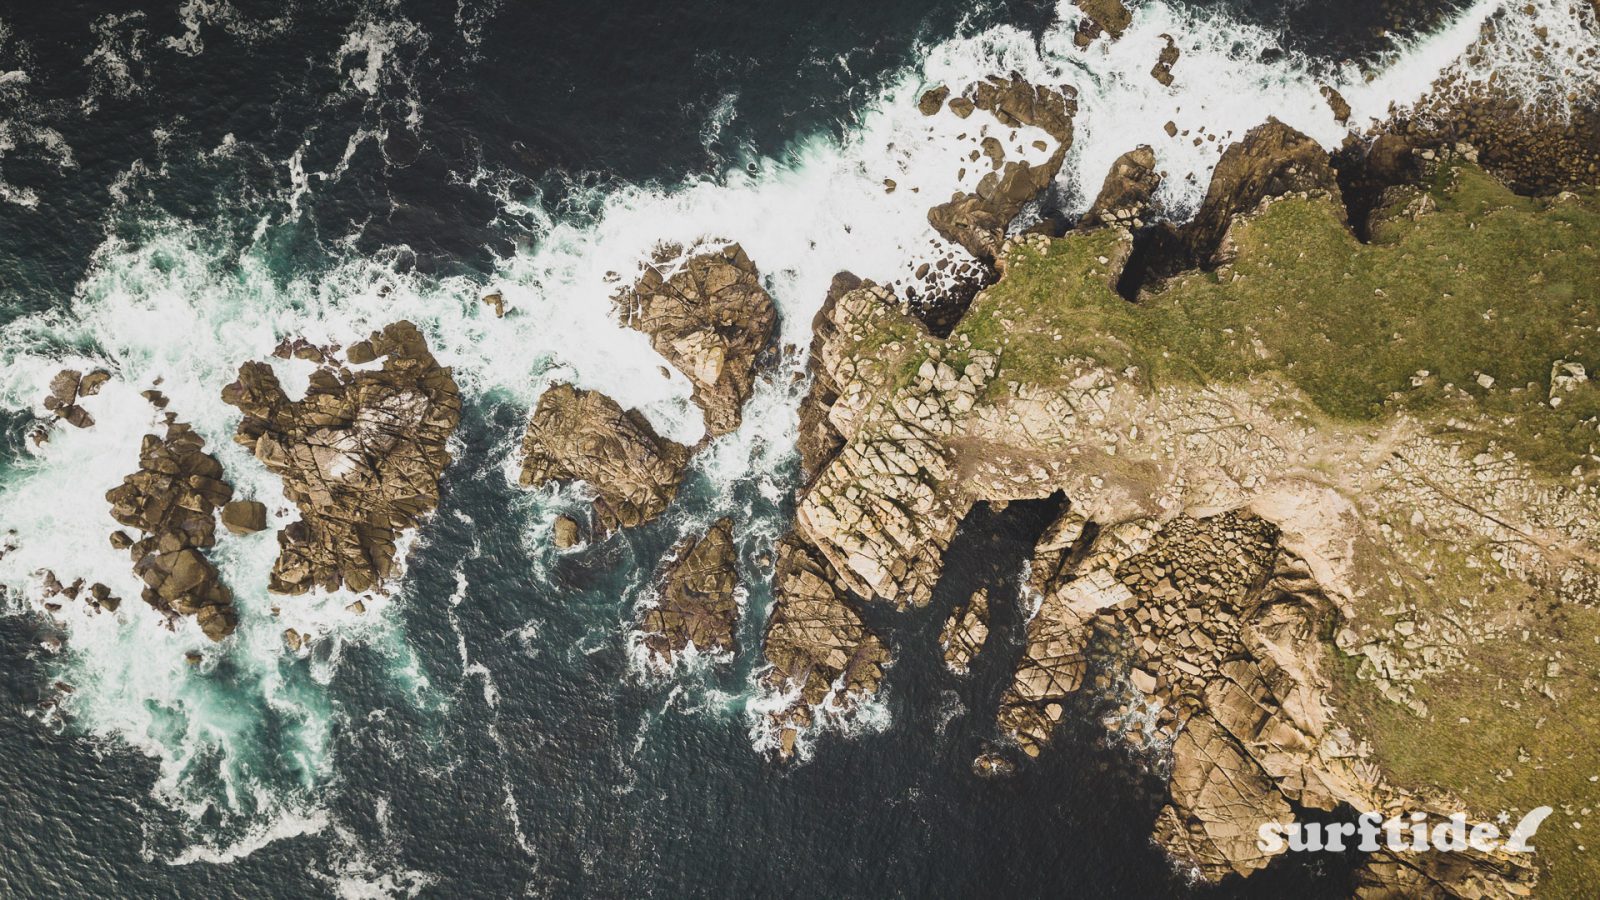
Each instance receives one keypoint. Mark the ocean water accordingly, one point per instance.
(183, 186)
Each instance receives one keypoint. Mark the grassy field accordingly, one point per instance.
(1488, 284)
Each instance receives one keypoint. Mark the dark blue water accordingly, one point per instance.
(550, 770)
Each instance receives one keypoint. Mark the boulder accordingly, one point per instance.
(564, 533)
(579, 435)
(710, 317)
(245, 516)
(360, 455)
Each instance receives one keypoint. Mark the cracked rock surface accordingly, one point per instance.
(360, 456)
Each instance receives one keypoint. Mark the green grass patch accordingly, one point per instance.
(1485, 283)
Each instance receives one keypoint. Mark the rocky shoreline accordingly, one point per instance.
(1311, 453)
(1216, 572)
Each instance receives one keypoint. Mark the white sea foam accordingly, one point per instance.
(180, 308)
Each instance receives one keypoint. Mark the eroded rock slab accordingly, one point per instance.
(580, 435)
(360, 456)
(822, 655)
(711, 318)
(965, 633)
(698, 603)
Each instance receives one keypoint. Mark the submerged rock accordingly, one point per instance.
(712, 320)
(360, 456)
(172, 500)
(697, 603)
(579, 435)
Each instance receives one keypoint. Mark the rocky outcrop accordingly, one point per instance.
(710, 317)
(1271, 161)
(978, 220)
(697, 603)
(1125, 195)
(172, 500)
(579, 435)
(821, 655)
(965, 633)
(66, 388)
(1101, 17)
(1162, 70)
(887, 542)
(360, 456)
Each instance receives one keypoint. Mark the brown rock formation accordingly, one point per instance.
(965, 633)
(579, 435)
(172, 500)
(978, 221)
(697, 603)
(1272, 160)
(1101, 17)
(245, 516)
(711, 319)
(1125, 195)
(565, 533)
(815, 640)
(65, 390)
(1162, 70)
(1337, 103)
(932, 100)
(361, 456)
